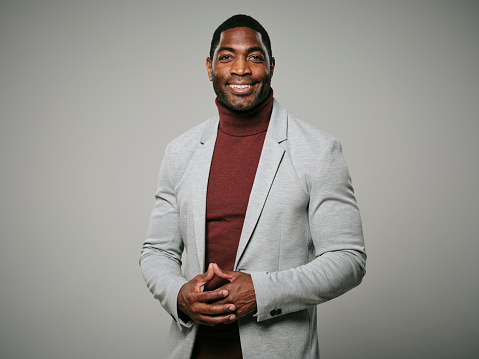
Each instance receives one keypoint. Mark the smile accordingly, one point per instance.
(240, 86)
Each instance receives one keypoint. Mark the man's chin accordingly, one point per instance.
(242, 103)
(239, 104)
(242, 108)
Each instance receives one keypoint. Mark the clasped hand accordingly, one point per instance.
(223, 305)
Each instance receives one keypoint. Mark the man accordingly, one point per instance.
(262, 205)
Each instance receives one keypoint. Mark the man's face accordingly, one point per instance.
(240, 69)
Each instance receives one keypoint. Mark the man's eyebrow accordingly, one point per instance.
(256, 48)
(251, 49)
(226, 48)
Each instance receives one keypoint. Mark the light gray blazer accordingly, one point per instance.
(301, 242)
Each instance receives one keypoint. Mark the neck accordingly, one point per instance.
(246, 123)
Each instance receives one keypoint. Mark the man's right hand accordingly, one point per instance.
(199, 305)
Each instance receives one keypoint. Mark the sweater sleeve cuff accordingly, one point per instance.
(181, 319)
(267, 305)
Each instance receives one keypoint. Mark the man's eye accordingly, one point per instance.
(256, 58)
(225, 57)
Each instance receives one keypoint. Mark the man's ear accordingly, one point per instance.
(271, 66)
(209, 68)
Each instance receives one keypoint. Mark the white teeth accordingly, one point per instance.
(240, 86)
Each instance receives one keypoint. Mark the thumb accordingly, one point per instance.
(222, 273)
(206, 276)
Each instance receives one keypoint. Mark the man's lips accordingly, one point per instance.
(240, 89)
(240, 86)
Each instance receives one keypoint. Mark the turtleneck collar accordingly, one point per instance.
(245, 123)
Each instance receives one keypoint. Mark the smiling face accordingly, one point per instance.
(240, 69)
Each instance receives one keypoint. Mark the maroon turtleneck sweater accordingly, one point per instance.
(233, 168)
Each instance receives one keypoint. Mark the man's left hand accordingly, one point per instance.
(240, 290)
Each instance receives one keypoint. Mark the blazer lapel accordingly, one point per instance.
(271, 157)
(201, 171)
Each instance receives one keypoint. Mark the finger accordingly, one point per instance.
(212, 314)
(215, 309)
(222, 273)
(211, 295)
(204, 278)
(209, 274)
(211, 321)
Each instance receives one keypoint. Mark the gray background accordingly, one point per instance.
(92, 91)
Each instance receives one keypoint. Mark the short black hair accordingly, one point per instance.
(241, 21)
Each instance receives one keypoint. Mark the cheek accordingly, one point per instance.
(263, 74)
(220, 72)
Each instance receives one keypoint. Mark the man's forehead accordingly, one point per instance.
(241, 37)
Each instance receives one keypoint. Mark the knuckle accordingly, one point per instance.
(211, 310)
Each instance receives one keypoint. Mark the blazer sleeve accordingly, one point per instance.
(339, 262)
(160, 259)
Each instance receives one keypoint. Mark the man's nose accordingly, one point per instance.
(240, 66)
